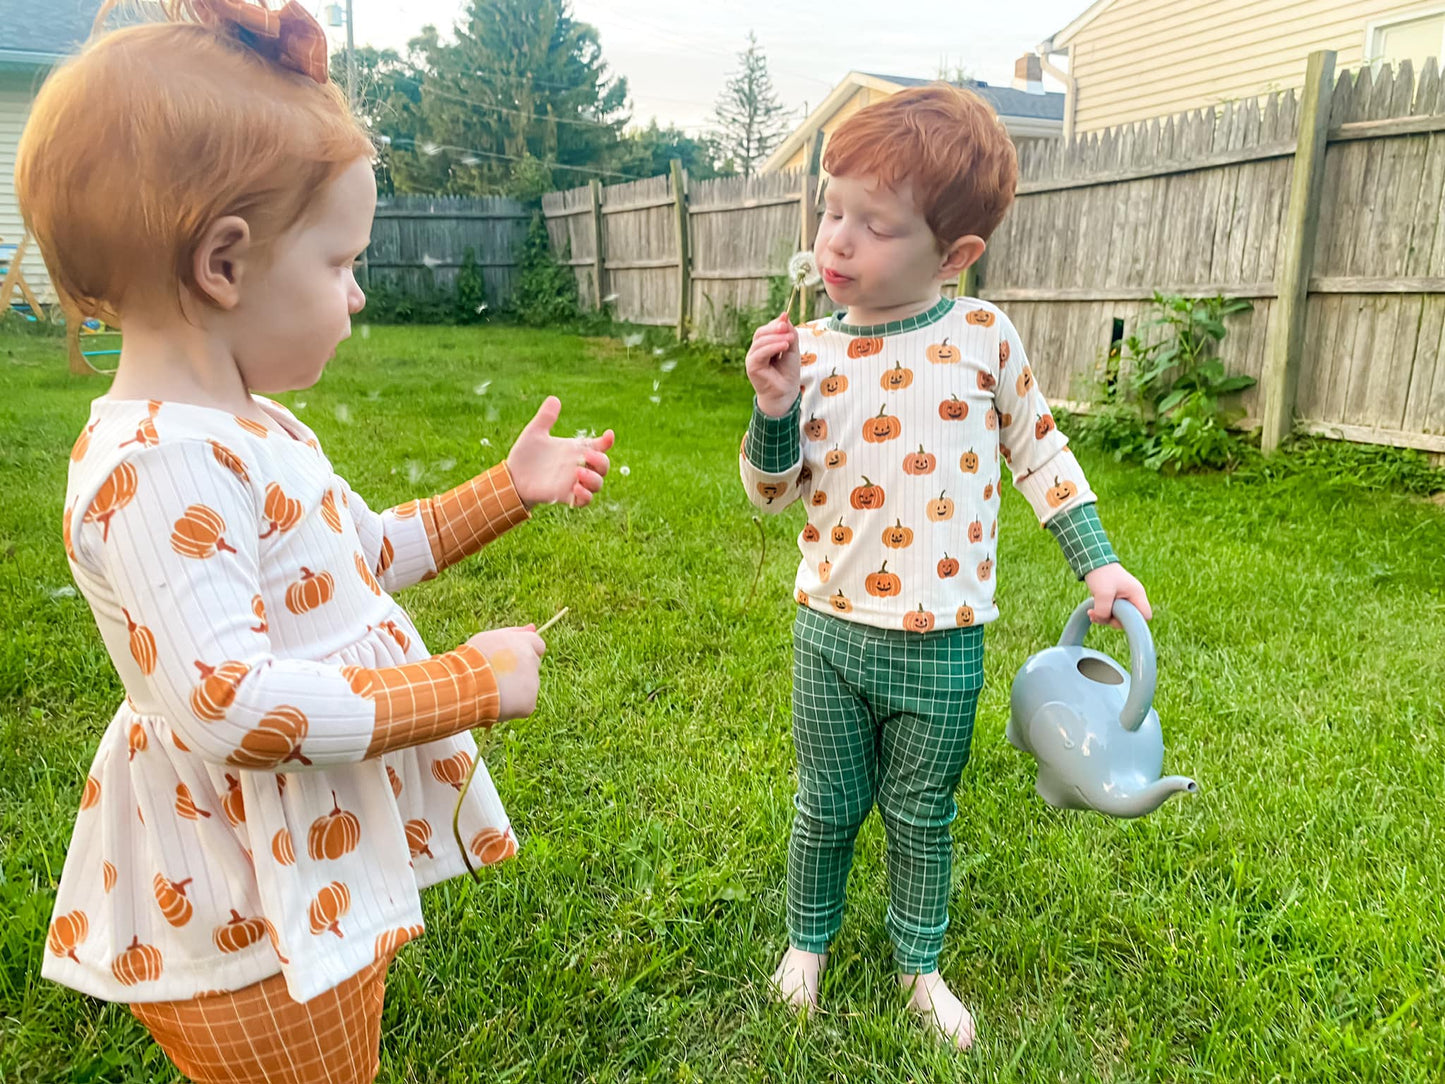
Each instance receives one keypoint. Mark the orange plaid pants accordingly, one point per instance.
(258, 1035)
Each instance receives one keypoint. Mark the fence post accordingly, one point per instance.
(597, 260)
(684, 249)
(1285, 343)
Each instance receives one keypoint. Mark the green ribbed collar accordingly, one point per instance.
(894, 327)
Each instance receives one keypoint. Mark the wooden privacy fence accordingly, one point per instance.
(670, 251)
(1326, 208)
(420, 241)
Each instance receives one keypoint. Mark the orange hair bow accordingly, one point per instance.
(289, 37)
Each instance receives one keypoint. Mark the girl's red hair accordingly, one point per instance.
(135, 146)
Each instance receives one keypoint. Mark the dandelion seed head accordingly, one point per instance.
(624, 470)
(668, 366)
(343, 413)
(481, 389)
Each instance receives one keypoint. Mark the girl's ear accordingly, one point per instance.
(221, 261)
(960, 255)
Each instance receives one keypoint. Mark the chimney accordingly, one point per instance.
(1029, 74)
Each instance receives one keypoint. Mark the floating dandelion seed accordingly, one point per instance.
(481, 389)
(493, 414)
(656, 385)
(468, 160)
(632, 340)
(343, 413)
(429, 149)
(624, 470)
(609, 299)
(658, 351)
(484, 442)
(446, 464)
(668, 365)
(431, 261)
(373, 395)
(62, 592)
(413, 471)
(655, 398)
(481, 308)
(300, 404)
(366, 331)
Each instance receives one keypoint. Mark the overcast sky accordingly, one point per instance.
(676, 57)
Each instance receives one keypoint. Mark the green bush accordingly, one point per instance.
(546, 293)
(464, 302)
(1160, 401)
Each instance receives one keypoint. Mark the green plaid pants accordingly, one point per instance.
(885, 716)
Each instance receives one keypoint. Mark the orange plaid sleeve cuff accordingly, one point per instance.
(423, 701)
(463, 520)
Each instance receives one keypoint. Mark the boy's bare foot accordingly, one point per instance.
(796, 979)
(930, 997)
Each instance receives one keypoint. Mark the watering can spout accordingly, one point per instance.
(1145, 800)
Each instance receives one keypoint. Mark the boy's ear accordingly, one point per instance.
(962, 254)
(220, 261)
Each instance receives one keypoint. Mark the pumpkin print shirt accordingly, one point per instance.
(280, 779)
(895, 446)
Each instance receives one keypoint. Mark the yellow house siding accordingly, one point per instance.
(1148, 58)
(16, 95)
(860, 97)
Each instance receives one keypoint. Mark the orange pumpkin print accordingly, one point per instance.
(834, 384)
(815, 428)
(145, 434)
(990, 420)
(142, 644)
(975, 531)
(968, 462)
(258, 607)
(942, 353)
(238, 933)
(407, 510)
(896, 378)
(1025, 382)
(825, 569)
(491, 846)
(230, 460)
(864, 347)
(453, 770)
(898, 537)
(388, 551)
(867, 496)
(66, 932)
(234, 803)
(275, 740)
(401, 638)
(980, 318)
(1043, 426)
(919, 620)
(186, 807)
(65, 533)
(329, 512)
(171, 897)
(841, 603)
(212, 698)
(953, 409)
(395, 781)
(275, 940)
(256, 429)
(117, 491)
(819, 499)
(883, 584)
(387, 943)
(881, 427)
(282, 511)
(841, 535)
(418, 835)
(330, 906)
(137, 964)
(366, 576)
(941, 509)
(200, 534)
(108, 876)
(335, 834)
(311, 591)
(82, 443)
(836, 458)
(807, 358)
(801, 597)
(988, 491)
(1003, 353)
(90, 795)
(810, 534)
(772, 490)
(985, 569)
(1060, 492)
(964, 617)
(919, 463)
(947, 567)
(136, 739)
(282, 849)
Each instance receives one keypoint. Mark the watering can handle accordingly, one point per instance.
(1143, 670)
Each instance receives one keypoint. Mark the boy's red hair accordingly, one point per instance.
(947, 142)
(135, 146)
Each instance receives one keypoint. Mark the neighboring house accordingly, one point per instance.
(33, 39)
(1128, 60)
(1026, 109)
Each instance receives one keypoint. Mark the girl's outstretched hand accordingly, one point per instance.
(557, 470)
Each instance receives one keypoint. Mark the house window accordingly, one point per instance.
(1413, 38)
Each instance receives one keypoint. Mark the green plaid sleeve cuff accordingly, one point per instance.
(1081, 536)
(775, 445)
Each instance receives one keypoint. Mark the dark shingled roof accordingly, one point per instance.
(48, 30)
(1006, 100)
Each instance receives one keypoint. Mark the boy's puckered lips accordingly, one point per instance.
(832, 278)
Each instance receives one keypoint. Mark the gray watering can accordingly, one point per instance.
(1091, 725)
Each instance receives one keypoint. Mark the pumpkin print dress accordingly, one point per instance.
(279, 782)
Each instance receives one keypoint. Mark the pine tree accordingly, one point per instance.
(750, 119)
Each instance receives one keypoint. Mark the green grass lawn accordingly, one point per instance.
(1286, 924)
